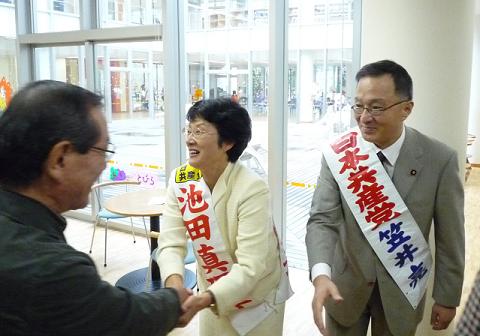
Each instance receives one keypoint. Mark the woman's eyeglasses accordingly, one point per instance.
(196, 133)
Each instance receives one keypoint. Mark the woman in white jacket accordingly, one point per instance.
(224, 208)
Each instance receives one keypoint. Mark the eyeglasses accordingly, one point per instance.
(109, 151)
(374, 110)
(196, 133)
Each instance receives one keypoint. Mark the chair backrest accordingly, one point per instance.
(96, 189)
(189, 258)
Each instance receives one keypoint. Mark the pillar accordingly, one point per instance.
(474, 116)
(305, 87)
(432, 39)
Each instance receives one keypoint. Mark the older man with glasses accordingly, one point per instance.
(380, 188)
(53, 146)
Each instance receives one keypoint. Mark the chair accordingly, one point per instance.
(189, 259)
(105, 215)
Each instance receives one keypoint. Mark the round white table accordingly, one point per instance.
(141, 203)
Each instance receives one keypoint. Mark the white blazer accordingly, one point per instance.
(242, 208)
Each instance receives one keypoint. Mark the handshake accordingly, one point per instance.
(191, 304)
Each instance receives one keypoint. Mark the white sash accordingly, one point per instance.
(381, 213)
(196, 205)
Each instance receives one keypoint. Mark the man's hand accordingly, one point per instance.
(175, 281)
(441, 316)
(192, 305)
(324, 288)
(183, 294)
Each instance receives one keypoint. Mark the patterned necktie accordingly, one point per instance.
(385, 163)
(382, 158)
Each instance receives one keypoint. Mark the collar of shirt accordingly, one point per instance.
(393, 151)
(27, 211)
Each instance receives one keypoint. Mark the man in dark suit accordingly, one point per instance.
(53, 146)
(348, 275)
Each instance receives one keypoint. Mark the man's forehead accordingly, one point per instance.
(99, 119)
(97, 113)
(381, 87)
(384, 79)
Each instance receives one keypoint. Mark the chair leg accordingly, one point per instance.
(105, 254)
(149, 272)
(133, 233)
(93, 235)
(146, 233)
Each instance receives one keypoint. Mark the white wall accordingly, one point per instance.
(474, 117)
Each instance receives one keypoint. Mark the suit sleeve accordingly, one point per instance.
(254, 246)
(449, 236)
(71, 299)
(325, 218)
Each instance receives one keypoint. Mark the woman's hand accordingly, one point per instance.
(193, 305)
(174, 281)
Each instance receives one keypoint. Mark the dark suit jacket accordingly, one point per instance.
(433, 194)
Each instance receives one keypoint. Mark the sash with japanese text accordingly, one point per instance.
(381, 213)
(196, 205)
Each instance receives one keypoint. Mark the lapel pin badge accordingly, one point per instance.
(413, 172)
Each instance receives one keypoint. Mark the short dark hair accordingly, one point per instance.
(401, 78)
(230, 119)
(40, 115)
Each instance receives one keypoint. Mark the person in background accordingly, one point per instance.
(379, 190)
(469, 322)
(197, 94)
(53, 146)
(224, 209)
(235, 97)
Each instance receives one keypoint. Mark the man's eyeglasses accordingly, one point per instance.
(109, 151)
(196, 133)
(374, 110)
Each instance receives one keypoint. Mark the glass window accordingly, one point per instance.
(340, 11)
(239, 13)
(319, 14)
(130, 77)
(196, 15)
(260, 16)
(293, 15)
(56, 15)
(237, 61)
(66, 6)
(320, 80)
(120, 13)
(217, 20)
(7, 18)
(65, 64)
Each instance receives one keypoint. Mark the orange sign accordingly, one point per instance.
(5, 94)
